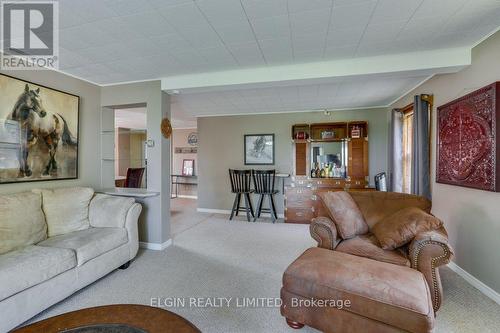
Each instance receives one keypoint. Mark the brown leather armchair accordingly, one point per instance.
(425, 253)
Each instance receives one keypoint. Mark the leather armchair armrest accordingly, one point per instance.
(324, 231)
(428, 251)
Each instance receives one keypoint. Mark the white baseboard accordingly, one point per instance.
(187, 196)
(155, 246)
(475, 282)
(228, 212)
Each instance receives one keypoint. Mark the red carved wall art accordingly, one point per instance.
(468, 142)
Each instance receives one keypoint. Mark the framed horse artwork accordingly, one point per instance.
(38, 132)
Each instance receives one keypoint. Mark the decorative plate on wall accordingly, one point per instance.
(193, 139)
(166, 128)
(468, 140)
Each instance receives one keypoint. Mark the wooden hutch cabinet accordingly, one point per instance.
(340, 149)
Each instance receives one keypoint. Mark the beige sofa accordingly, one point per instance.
(55, 242)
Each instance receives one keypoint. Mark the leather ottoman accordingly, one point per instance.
(338, 292)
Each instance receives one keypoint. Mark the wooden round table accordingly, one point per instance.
(114, 318)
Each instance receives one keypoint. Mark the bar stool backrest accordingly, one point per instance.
(264, 181)
(241, 180)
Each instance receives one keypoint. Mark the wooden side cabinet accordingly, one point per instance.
(302, 201)
(357, 167)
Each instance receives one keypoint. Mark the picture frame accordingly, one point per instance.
(188, 167)
(26, 155)
(259, 149)
(468, 142)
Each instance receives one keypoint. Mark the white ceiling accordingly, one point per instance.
(343, 94)
(111, 41)
(114, 41)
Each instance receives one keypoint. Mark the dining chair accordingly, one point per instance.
(134, 177)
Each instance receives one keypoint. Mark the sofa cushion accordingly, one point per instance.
(376, 205)
(395, 295)
(368, 246)
(90, 243)
(401, 227)
(31, 265)
(345, 214)
(66, 209)
(109, 211)
(22, 221)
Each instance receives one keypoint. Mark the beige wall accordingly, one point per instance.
(221, 147)
(89, 168)
(180, 139)
(472, 217)
(156, 228)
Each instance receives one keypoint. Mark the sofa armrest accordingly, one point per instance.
(131, 224)
(324, 231)
(108, 211)
(428, 251)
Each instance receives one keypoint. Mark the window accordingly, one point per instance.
(407, 147)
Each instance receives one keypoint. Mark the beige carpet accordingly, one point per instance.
(217, 258)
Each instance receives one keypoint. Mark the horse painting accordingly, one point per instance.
(39, 126)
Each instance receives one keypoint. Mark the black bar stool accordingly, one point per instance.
(241, 184)
(264, 185)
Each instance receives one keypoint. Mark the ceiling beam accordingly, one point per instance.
(415, 63)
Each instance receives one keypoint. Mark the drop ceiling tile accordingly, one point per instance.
(90, 70)
(118, 29)
(105, 53)
(217, 55)
(277, 51)
(201, 37)
(188, 58)
(346, 16)
(383, 32)
(310, 22)
(185, 15)
(84, 36)
(309, 43)
(171, 42)
(337, 3)
(222, 10)
(441, 8)
(301, 56)
(69, 59)
(236, 34)
(295, 6)
(148, 24)
(264, 8)
(247, 54)
(127, 7)
(394, 10)
(70, 19)
(88, 10)
(167, 3)
(340, 52)
(345, 36)
(271, 27)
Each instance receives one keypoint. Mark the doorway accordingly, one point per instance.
(130, 147)
(184, 180)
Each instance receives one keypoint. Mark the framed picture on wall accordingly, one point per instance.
(259, 149)
(188, 167)
(38, 132)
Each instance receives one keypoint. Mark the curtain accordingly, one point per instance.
(420, 170)
(396, 152)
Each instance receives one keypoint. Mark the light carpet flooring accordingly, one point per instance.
(216, 258)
